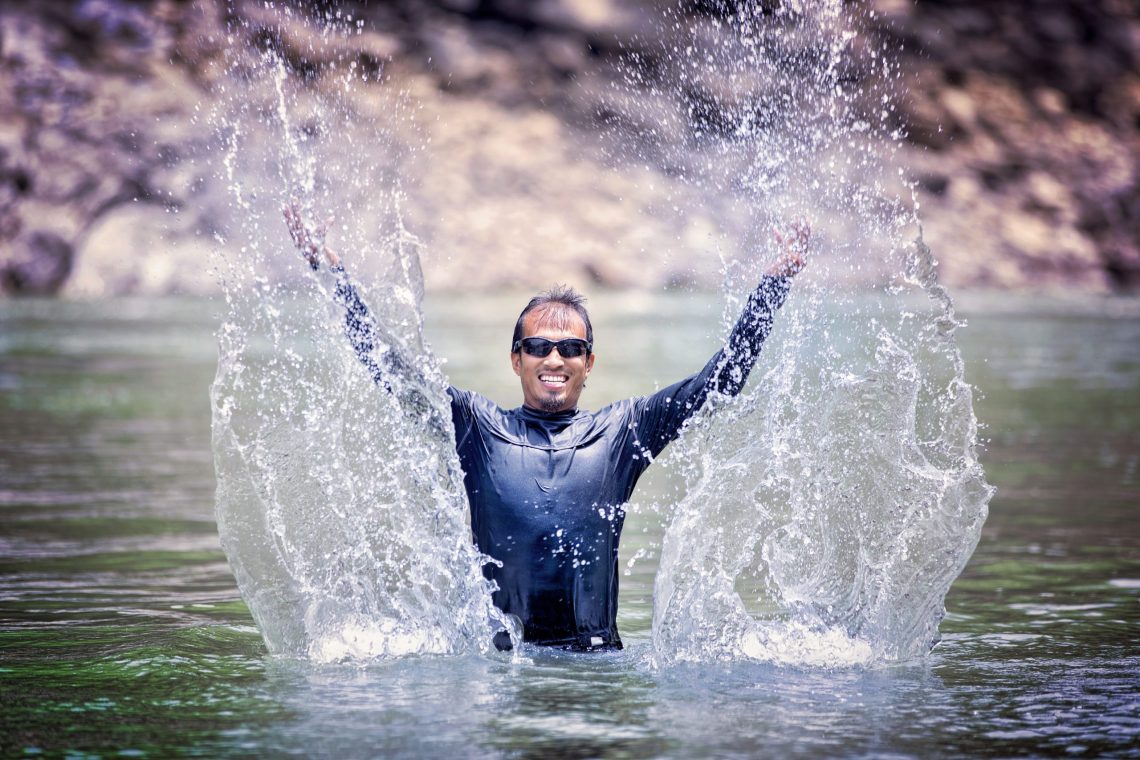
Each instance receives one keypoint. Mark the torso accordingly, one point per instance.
(546, 494)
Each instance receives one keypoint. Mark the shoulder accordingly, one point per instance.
(620, 413)
(617, 408)
(473, 402)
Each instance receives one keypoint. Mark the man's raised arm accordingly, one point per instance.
(359, 325)
(662, 415)
(755, 323)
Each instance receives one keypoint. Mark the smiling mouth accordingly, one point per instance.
(553, 382)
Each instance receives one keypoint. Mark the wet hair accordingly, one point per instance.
(557, 301)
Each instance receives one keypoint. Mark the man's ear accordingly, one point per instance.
(590, 363)
(516, 363)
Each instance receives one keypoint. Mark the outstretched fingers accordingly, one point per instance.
(793, 243)
(308, 240)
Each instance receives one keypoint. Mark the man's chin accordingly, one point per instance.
(552, 405)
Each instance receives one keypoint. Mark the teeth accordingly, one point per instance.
(551, 379)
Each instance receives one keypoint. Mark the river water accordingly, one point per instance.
(122, 631)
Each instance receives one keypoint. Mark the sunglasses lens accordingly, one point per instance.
(537, 346)
(569, 348)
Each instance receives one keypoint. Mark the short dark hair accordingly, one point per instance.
(561, 297)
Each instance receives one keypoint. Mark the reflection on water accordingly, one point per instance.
(122, 628)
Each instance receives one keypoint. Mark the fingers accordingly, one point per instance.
(294, 224)
(308, 241)
(802, 231)
(792, 240)
(290, 212)
(795, 238)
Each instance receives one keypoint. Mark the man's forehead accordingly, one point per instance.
(554, 317)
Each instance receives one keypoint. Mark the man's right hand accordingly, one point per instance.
(309, 241)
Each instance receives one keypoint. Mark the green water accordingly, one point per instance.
(121, 632)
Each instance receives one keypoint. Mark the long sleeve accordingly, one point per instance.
(660, 417)
(365, 336)
(388, 367)
(748, 335)
(359, 326)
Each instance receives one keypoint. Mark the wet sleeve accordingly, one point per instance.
(359, 325)
(382, 358)
(660, 417)
(462, 415)
(388, 366)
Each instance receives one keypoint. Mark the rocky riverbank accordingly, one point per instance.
(1022, 123)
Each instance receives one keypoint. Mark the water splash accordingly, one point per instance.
(830, 507)
(340, 506)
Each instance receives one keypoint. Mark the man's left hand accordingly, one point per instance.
(794, 242)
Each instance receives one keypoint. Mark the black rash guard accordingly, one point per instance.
(547, 489)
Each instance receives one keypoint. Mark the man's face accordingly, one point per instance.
(552, 383)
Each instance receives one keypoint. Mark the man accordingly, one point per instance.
(547, 482)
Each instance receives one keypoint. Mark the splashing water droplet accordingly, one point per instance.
(340, 506)
(828, 509)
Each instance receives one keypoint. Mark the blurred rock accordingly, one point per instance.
(463, 63)
(40, 267)
(594, 16)
(1023, 119)
(140, 248)
(1035, 107)
(93, 114)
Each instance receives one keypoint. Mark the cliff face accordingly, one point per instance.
(1022, 122)
(95, 124)
(1025, 118)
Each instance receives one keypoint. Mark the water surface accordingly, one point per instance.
(122, 630)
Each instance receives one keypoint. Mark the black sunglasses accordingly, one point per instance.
(568, 348)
